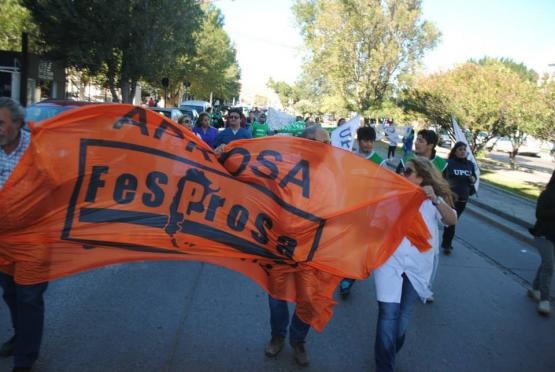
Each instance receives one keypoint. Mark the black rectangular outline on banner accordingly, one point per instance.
(85, 143)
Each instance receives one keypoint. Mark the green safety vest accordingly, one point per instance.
(438, 162)
(259, 129)
(374, 157)
(295, 128)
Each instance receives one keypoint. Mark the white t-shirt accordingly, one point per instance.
(391, 134)
(407, 259)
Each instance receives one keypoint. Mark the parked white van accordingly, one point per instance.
(200, 106)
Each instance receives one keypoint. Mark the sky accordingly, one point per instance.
(269, 45)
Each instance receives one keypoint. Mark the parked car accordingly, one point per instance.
(444, 140)
(172, 113)
(199, 106)
(48, 108)
(530, 145)
(192, 113)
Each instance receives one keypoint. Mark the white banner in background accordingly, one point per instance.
(381, 131)
(344, 136)
(459, 136)
(277, 119)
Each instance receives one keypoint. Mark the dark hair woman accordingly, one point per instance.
(405, 276)
(204, 130)
(461, 175)
(544, 233)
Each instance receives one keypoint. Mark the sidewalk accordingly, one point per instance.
(509, 212)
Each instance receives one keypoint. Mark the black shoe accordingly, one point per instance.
(7, 348)
(274, 346)
(447, 251)
(300, 353)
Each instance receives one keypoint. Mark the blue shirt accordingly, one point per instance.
(8, 162)
(209, 137)
(226, 136)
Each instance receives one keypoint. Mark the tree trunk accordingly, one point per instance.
(113, 90)
(133, 91)
(124, 86)
(512, 158)
(112, 82)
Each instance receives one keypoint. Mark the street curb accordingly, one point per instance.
(509, 217)
(501, 214)
(498, 189)
(515, 230)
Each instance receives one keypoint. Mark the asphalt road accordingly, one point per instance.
(184, 316)
(542, 164)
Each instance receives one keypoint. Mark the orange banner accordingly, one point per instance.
(107, 184)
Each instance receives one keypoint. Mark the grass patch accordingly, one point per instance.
(527, 190)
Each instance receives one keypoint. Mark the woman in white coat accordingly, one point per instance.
(405, 276)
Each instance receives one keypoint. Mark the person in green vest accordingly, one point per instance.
(425, 144)
(366, 136)
(260, 128)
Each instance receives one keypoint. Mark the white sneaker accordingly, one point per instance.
(544, 308)
(534, 294)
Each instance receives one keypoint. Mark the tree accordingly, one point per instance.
(489, 99)
(125, 41)
(358, 48)
(288, 94)
(520, 68)
(214, 68)
(15, 19)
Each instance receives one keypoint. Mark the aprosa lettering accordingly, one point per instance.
(265, 166)
(136, 118)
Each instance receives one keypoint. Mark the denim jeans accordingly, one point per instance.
(449, 231)
(393, 320)
(279, 320)
(542, 281)
(26, 306)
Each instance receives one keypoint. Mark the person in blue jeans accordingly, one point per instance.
(406, 274)
(25, 302)
(279, 321)
(26, 306)
(279, 311)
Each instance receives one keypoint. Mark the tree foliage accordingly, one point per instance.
(15, 19)
(358, 48)
(488, 99)
(125, 40)
(214, 68)
(288, 94)
(520, 68)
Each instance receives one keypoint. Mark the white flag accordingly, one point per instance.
(277, 119)
(459, 136)
(344, 136)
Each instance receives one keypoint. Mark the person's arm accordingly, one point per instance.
(473, 178)
(248, 134)
(219, 140)
(545, 209)
(448, 214)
